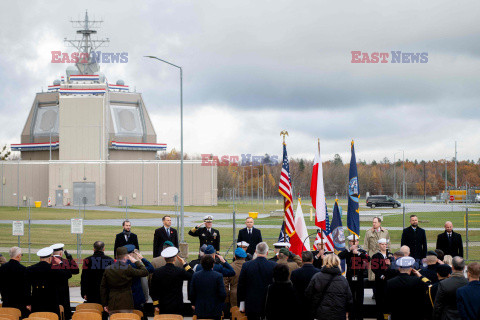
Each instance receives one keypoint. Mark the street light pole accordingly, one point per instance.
(403, 186)
(263, 185)
(394, 175)
(182, 231)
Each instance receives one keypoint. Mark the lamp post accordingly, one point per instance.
(18, 180)
(258, 185)
(181, 145)
(394, 175)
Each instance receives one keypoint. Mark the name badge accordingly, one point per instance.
(354, 278)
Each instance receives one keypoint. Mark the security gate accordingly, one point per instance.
(84, 193)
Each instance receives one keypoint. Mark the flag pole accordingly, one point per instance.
(284, 133)
(321, 231)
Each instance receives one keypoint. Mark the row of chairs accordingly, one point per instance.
(93, 311)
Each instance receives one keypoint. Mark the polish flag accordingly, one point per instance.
(317, 192)
(298, 247)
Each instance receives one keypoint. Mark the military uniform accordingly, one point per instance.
(404, 292)
(69, 268)
(379, 268)
(211, 237)
(356, 265)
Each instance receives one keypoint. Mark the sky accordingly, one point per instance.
(254, 68)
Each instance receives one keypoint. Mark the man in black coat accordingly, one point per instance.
(70, 267)
(406, 291)
(255, 277)
(125, 237)
(415, 238)
(167, 283)
(162, 234)
(250, 235)
(12, 282)
(42, 284)
(356, 261)
(450, 242)
(207, 234)
(300, 279)
(92, 273)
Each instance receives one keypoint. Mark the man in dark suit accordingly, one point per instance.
(70, 266)
(300, 279)
(468, 297)
(42, 284)
(450, 242)
(92, 273)
(255, 277)
(167, 283)
(250, 235)
(415, 238)
(116, 285)
(162, 234)
(207, 234)
(12, 282)
(406, 291)
(445, 306)
(207, 291)
(125, 237)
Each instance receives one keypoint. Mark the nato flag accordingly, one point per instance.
(353, 218)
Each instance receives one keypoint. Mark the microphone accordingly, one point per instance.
(316, 232)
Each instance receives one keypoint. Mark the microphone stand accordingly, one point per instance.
(316, 232)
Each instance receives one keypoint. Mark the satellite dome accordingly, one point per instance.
(120, 83)
(56, 82)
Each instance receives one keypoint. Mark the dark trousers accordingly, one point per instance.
(357, 288)
(380, 286)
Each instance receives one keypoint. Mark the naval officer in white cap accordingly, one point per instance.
(207, 234)
(70, 267)
(42, 284)
(167, 283)
(356, 261)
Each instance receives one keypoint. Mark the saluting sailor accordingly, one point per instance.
(207, 234)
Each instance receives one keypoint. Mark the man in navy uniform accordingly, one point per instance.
(406, 291)
(356, 260)
(450, 242)
(167, 283)
(125, 237)
(207, 234)
(42, 284)
(69, 266)
(251, 235)
(162, 234)
(276, 249)
(415, 238)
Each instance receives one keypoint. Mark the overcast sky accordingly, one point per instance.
(254, 68)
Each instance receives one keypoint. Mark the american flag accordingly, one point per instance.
(327, 234)
(285, 189)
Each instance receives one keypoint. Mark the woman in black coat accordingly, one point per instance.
(281, 296)
(380, 263)
(329, 292)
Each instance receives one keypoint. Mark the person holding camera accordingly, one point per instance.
(116, 286)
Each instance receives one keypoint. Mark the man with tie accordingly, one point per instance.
(450, 242)
(415, 238)
(162, 234)
(126, 237)
(207, 234)
(250, 235)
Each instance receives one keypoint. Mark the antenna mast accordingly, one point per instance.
(86, 45)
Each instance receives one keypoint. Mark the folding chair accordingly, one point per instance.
(129, 316)
(168, 317)
(11, 311)
(6, 316)
(90, 307)
(83, 315)
(44, 315)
